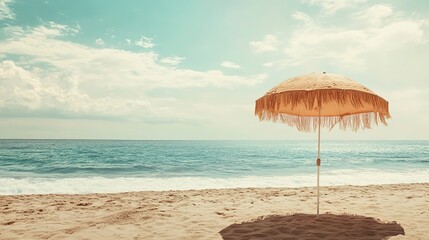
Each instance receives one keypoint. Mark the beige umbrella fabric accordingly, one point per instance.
(316, 100)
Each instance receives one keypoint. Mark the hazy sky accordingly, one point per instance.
(193, 69)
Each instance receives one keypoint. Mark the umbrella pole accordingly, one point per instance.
(318, 161)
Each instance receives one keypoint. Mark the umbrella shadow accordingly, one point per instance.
(309, 226)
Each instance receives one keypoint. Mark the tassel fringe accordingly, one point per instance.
(267, 109)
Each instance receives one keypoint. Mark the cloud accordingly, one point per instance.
(145, 42)
(227, 64)
(277, 63)
(74, 80)
(18, 86)
(99, 42)
(25, 90)
(332, 6)
(305, 18)
(268, 44)
(406, 106)
(375, 15)
(5, 12)
(172, 60)
(379, 31)
(51, 29)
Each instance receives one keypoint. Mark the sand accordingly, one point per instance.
(248, 213)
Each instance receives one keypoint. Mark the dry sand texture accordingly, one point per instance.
(267, 213)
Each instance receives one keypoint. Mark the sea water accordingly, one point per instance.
(89, 166)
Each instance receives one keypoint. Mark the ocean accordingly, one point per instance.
(90, 166)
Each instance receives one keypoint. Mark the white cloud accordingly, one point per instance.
(18, 86)
(145, 42)
(172, 60)
(331, 6)
(375, 15)
(406, 106)
(277, 63)
(79, 80)
(268, 64)
(227, 64)
(268, 44)
(53, 29)
(350, 46)
(5, 12)
(305, 18)
(99, 42)
(24, 89)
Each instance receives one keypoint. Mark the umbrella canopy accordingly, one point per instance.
(317, 100)
(338, 100)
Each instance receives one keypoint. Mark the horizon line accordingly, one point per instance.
(122, 139)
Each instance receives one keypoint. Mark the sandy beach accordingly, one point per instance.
(248, 213)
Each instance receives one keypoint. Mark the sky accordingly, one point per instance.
(193, 69)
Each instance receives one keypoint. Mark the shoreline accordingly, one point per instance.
(202, 214)
(212, 189)
(100, 184)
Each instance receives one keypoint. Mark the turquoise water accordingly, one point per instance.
(80, 166)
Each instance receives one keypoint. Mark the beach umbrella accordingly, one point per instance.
(316, 100)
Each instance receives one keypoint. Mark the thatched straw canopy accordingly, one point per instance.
(339, 100)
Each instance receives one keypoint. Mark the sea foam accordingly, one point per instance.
(37, 185)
